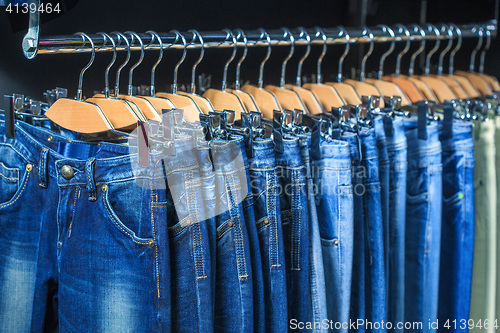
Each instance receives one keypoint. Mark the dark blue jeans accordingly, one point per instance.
(423, 224)
(316, 271)
(233, 289)
(295, 221)
(265, 187)
(397, 150)
(374, 252)
(457, 240)
(334, 201)
(255, 257)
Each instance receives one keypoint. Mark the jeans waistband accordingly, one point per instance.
(431, 145)
(335, 154)
(353, 141)
(369, 141)
(395, 133)
(263, 158)
(291, 154)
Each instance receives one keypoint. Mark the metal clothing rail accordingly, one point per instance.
(33, 44)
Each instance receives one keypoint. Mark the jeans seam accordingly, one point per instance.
(77, 195)
(8, 178)
(240, 257)
(196, 229)
(157, 267)
(338, 226)
(271, 202)
(296, 219)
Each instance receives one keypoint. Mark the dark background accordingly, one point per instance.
(32, 77)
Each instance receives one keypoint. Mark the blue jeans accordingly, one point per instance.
(374, 252)
(253, 236)
(457, 241)
(397, 150)
(316, 271)
(334, 201)
(265, 186)
(295, 221)
(423, 224)
(383, 172)
(357, 308)
(234, 289)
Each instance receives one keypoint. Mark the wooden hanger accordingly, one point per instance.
(222, 99)
(76, 114)
(121, 113)
(203, 103)
(287, 98)
(266, 101)
(191, 109)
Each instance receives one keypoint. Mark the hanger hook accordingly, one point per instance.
(343, 32)
(184, 52)
(241, 34)
(432, 27)
(79, 92)
(478, 47)
(131, 70)
(303, 32)
(455, 50)
(384, 56)
(289, 56)
(233, 55)
(113, 60)
(419, 50)
(319, 77)
(402, 28)
(448, 30)
(366, 31)
(263, 33)
(196, 34)
(127, 59)
(160, 57)
(486, 48)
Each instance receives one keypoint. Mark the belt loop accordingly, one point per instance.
(89, 171)
(42, 167)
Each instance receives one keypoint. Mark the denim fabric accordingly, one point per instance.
(259, 314)
(457, 240)
(383, 172)
(19, 188)
(334, 201)
(375, 293)
(265, 187)
(317, 291)
(423, 225)
(233, 290)
(397, 150)
(295, 221)
(484, 269)
(357, 308)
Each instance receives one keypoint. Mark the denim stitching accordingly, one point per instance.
(196, 229)
(8, 178)
(118, 224)
(20, 192)
(273, 219)
(77, 195)
(41, 168)
(296, 222)
(240, 248)
(339, 219)
(157, 268)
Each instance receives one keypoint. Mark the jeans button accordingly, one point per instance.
(67, 172)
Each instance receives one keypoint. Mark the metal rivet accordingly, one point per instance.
(336, 242)
(230, 223)
(29, 167)
(60, 243)
(266, 221)
(151, 243)
(49, 138)
(104, 188)
(188, 221)
(67, 172)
